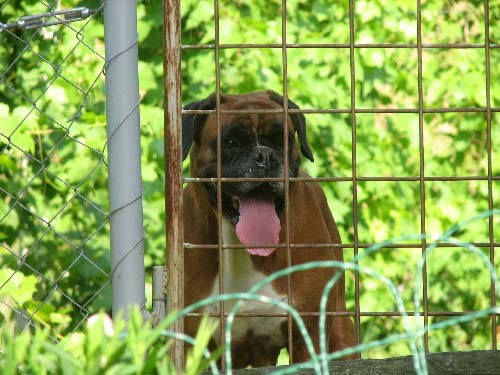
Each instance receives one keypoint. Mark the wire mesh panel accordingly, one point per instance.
(401, 102)
(54, 235)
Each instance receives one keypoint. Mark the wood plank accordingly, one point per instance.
(481, 362)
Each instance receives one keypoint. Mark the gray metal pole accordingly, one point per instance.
(124, 154)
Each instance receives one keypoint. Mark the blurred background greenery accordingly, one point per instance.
(66, 130)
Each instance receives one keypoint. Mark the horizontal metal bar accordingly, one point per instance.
(341, 246)
(343, 110)
(340, 45)
(344, 179)
(344, 313)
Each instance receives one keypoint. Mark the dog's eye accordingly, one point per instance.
(277, 138)
(228, 143)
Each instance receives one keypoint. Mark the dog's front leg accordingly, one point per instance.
(300, 351)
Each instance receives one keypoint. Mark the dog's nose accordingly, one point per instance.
(262, 156)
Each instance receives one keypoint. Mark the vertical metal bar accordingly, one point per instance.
(354, 166)
(222, 324)
(158, 295)
(286, 176)
(422, 167)
(124, 153)
(173, 178)
(490, 164)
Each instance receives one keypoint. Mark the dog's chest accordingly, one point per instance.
(240, 276)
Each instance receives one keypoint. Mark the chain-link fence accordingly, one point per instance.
(54, 231)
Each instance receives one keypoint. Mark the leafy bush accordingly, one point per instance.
(119, 347)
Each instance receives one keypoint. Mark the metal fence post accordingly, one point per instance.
(173, 175)
(125, 185)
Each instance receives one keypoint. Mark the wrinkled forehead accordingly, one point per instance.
(261, 122)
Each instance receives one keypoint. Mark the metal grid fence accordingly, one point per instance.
(54, 232)
(174, 51)
(45, 196)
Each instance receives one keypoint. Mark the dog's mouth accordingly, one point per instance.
(258, 221)
(254, 213)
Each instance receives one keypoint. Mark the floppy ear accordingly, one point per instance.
(193, 123)
(299, 122)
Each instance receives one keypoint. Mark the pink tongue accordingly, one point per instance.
(258, 225)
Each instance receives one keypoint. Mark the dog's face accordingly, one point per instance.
(252, 146)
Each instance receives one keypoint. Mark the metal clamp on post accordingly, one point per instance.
(62, 17)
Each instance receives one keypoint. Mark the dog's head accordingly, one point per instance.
(252, 146)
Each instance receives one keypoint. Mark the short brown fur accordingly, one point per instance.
(310, 221)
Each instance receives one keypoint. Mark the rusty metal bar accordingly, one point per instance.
(490, 164)
(341, 313)
(222, 323)
(357, 319)
(342, 246)
(345, 179)
(422, 166)
(347, 111)
(286, 173)
(173, 176)
(340, 45)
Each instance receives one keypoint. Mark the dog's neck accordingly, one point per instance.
(240, 275)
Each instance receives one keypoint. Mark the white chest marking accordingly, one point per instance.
(240, 276)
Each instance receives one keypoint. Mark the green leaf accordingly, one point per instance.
(195, 357)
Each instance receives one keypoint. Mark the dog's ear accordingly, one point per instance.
(193, 123)
(299, 122)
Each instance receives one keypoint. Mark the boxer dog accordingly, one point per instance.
(253, 213)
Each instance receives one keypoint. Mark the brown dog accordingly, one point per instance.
(253, 213)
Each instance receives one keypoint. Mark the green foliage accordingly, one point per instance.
(52, 154)
(53, 199)
(104, 347)
(196, 361)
